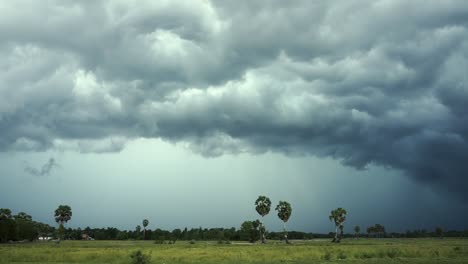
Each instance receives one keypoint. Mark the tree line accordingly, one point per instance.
(21, 227)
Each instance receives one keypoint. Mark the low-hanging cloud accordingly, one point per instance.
(45, 170)
(365, 82)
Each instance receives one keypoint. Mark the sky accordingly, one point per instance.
(184, 112)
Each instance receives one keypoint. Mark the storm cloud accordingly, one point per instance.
(365, 82)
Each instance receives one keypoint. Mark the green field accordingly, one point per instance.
(316, 251)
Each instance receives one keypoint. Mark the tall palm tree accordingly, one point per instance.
(284, 212)
(263, 206)
(145, 224)
(370, 231)
(62, 215)
(338, 216)
(439, 231)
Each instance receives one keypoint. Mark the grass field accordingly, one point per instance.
(317, 251)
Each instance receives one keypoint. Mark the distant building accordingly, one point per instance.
(86, 237)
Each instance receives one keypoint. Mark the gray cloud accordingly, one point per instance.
(45, 170)
(365, 82)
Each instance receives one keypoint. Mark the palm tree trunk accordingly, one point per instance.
(60, 231)
(335, 239)
(285, 233)
(263, 230)
(341, 234)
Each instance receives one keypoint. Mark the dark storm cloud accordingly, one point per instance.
(45, 170)
(365, 82)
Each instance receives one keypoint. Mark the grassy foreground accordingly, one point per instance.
(317, 251)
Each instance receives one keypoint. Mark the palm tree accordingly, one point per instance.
(439, 231)
(380, 230)
(376, 230)
(357, 230)
(62, 215)
(284, 212)
(370, 231)
(145, 224)
(338, 216)
(263, 206)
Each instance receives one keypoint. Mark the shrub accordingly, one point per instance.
(341, 255)
(381, 254)
(366, 255)
(393, 253)
(139, 258)
(159, 241)
(192, 242)
(327, 255)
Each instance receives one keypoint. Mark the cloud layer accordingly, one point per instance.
(365, 82)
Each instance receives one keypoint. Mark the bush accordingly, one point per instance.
(341, 255)
(327, 255)
(139, 258)
(393, 253)
(381, 254)
(192, 242)
(365, 255)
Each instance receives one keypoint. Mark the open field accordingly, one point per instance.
(317, 251)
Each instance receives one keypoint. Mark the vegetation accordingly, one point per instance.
(145, 224)
(62, 215)
(227, 244)
(439, 232)
(21, 227)
(284, 213)
(338, 216)
(263, 206)
(138, 257)
(365, 251)
(377, 230)
(250, 231)
(357, 231)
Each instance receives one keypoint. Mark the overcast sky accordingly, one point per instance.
(183, 112)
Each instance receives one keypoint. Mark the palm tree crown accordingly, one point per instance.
(263, 205)
(63, 214)
(338, 216)
(284, 210)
